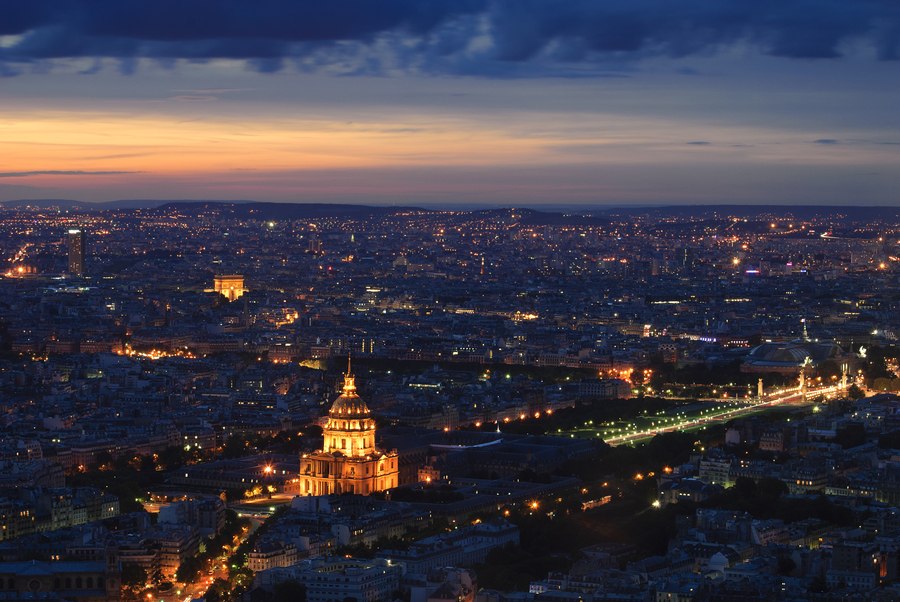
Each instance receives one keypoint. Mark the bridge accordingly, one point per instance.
(779, 397)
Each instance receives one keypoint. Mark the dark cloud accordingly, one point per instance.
(62, 172)
(699, 142)
(826, 141)
(463, 36)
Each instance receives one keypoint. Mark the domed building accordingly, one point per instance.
(790, 357)
(348, 462)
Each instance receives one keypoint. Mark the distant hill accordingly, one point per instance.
(246, 209)
(276, 211)
(47, 204)
(862, 213)
(70, 205)
(293, 211)
(534, 217)
(545, 215)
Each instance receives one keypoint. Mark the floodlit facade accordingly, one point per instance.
(231, 286)
(348, 462)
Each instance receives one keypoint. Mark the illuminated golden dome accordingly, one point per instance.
(349, 404)
(349, 461)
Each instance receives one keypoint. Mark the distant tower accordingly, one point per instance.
(76, 252)
(685, 257)
(315, 245)
(760, 392)
(805, 331)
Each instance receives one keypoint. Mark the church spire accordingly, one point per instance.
(349, 379)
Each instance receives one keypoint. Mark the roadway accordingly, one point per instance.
(777, 398)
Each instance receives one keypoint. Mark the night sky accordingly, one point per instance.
(514, 102)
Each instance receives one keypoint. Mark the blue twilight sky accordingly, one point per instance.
(441, 101)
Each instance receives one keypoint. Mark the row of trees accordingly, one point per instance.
(128, 476)
(285, 442)
(240, 577)
(554, 530)
(192, 567)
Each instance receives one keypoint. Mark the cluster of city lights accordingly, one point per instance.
(156, 354)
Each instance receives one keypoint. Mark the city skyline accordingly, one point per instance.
(484, 103)
(654, 395)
